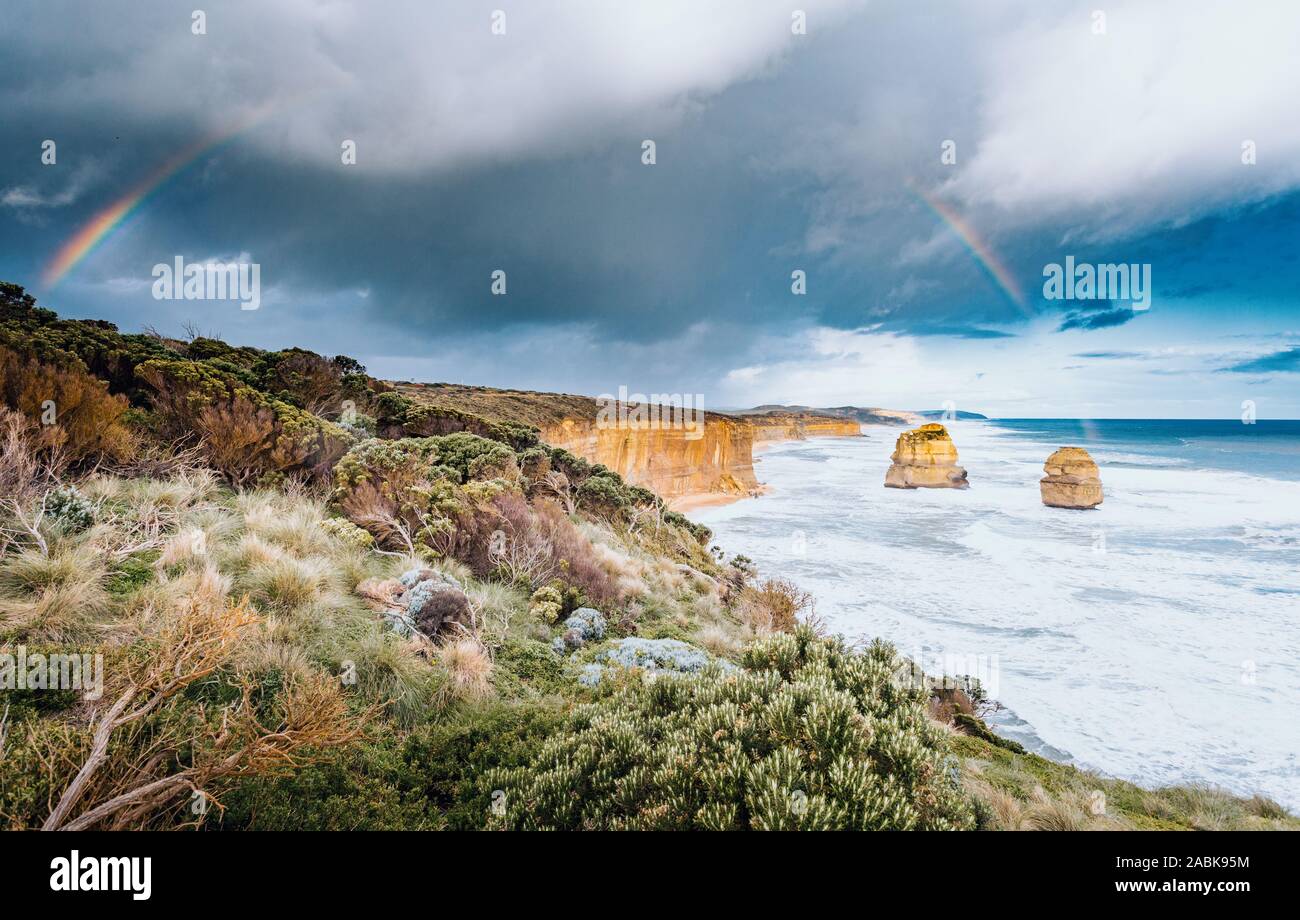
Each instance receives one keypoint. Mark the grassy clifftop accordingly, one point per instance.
(320, 603)
(540, 410)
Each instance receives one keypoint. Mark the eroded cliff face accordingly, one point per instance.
(768, 428)
(672, 461)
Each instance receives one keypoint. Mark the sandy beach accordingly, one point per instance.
(697, 500)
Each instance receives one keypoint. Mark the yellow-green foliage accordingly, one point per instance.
(244, 433)
(807, 735)
(547, 603)
(348, 532)
(407, 492)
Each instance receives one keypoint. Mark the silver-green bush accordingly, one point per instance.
(807, 735)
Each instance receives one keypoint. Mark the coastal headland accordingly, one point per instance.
(691, 462)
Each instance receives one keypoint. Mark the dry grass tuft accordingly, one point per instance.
(287, 584)
(393, 673)
(1056, 815)
(295, 527)
(719, 641)
(469, 667)
(1008, 813)
(187, 546)
(53, 596)
(1263, 807)
(250, 552)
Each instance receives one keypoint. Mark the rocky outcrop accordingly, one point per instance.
(421, 601)
(1072, 480)
(925, 458)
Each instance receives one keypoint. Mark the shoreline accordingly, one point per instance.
(694, 501)
(1046, 729)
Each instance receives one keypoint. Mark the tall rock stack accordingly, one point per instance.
(925, 459)
(1072, 480)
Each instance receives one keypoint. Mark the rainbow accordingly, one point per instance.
(95, 230)
(980, 250)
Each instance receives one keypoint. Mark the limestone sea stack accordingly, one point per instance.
(925, 459)
(1072, 480)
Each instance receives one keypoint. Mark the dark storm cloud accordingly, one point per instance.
(523, 154)
(748, 187)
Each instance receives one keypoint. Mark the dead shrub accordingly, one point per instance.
(537, 544)
(150, 749)
(775, 605)
(23, 472)
(86, 419)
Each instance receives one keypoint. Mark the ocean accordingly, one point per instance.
(1156, 638)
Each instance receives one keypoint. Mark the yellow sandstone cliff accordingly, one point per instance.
(671, 461)
(692, 455)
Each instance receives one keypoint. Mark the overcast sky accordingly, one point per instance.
(776, 152)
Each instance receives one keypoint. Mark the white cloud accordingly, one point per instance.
(1144, 124)
(27, 197)
(745, 374)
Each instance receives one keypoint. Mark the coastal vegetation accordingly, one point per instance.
(323, 604)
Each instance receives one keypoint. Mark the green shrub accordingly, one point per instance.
(699, 532)
(244, 433)
(547, 604)
(348, 532)
(603, 494)
(92, 346)
(400, 416)
(72, 510)
(301, 378)
(430, 778)
(807, 736)
(407, 492)
(375, 460)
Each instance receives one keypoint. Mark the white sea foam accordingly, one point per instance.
(1156, 638)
